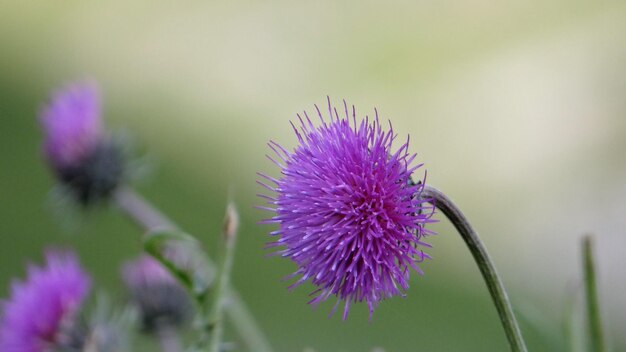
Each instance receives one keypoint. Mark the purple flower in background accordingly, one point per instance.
(72, 124)
(349, 213)
(39, 307)
(82, 156)
(162, 301)
(146, 271)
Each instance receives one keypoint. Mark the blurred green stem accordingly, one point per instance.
(591, 293)
(572, 332)
(216, 322)
(142, 213)
(484, 262)
(149, 219)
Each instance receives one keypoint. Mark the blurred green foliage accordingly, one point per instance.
(516, 107)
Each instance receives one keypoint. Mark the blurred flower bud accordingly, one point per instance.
(231, 221)
(76, 146)
(161, 300)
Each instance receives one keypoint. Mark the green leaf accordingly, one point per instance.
(183, 256)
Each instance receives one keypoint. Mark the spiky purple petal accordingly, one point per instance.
(38, 307)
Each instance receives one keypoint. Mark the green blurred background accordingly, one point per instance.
(518, 109)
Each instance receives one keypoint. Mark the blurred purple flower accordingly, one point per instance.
(146, 271)
(349, 213)
(85, 160)
(159, 296)
(72, 124)
(38, 308)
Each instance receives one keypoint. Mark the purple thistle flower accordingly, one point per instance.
(38, 308)
(145, 271)
(83, 158)
(72, 123)
(349, 213)
(160, 298)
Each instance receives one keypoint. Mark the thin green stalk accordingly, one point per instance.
(149, 219)
(216, 321)
(573, 330)
(591, 293)
(484, 262)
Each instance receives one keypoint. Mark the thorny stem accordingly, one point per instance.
(148, 218)
(593, 307)
(484, 262)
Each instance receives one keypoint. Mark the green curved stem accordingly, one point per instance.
(484, 262)
(593, 307)
(149, 219)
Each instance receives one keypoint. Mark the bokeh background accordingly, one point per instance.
(518, 109)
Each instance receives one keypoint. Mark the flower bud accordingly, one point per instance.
(84, 159)
(231, 222)
(161, 300)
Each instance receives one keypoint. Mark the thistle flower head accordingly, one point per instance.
(160, 298)
(348, 212)
(72, 124)
(40, 306)
(83, 158)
